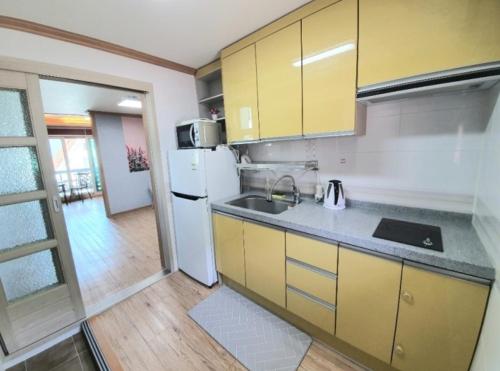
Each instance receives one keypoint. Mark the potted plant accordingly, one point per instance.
(214, 111)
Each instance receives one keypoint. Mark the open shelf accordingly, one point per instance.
(280, 166)
(212, 99)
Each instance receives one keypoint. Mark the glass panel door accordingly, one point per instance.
(39, 294)
(20, 170)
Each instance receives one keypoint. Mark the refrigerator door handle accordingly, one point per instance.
(187, 197)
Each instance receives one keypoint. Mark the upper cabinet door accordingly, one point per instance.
(239, 82)
(279, 83)
(398, 39)
(329, 68)
(439, 321)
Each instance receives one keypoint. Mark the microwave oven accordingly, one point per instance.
(198, 133)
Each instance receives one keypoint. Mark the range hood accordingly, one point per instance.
(478, 77)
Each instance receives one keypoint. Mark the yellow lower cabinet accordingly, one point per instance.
(439, 321)
(265, 261)
(312, 311)
(367, 302)
(229, 252)
(311, 281)
(311, 251)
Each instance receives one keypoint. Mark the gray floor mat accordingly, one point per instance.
(256, 337)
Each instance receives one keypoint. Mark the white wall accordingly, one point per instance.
(487, 223)
(125, 190)
(417, 152)
(174, 92)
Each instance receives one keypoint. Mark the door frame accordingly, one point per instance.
(167, 252)
(53, 71)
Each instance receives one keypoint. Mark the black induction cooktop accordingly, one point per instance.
(420, 235)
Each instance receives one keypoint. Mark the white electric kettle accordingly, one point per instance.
(334, 197)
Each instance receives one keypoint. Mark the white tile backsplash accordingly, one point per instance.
(421, 151)
(487, 222)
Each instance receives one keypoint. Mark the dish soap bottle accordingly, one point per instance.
(319, 193)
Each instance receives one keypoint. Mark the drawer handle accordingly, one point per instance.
(399, 350)
(407, 296)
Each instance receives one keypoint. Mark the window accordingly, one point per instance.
(73, 155)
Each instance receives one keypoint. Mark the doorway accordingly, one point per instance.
(47, 304)
(102, 168)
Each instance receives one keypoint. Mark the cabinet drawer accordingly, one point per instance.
(310, 310)
(314, 283)
(313, 252)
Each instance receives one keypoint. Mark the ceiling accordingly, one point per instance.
(190, 32)
(68, 98)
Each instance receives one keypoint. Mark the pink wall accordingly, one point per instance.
(133, 133)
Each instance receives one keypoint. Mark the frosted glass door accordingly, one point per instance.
(38, 289)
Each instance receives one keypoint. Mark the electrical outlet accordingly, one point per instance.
(343, 161)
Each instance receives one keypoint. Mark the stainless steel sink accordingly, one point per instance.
(259, 203)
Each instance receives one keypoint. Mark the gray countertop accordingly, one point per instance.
(463, 251)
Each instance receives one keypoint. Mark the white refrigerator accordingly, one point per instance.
(198, 177)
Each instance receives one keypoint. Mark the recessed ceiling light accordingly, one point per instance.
(130, 102)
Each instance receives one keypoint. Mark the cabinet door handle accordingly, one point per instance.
(407, 296)
(399, 350)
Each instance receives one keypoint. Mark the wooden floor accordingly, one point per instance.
(111, 254)
(152, 331)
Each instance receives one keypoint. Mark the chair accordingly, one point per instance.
(82, 184)
(62, 187)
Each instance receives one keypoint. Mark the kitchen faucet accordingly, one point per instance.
(295, 189)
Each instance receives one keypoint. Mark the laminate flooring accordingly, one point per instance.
(111, 254)
(152, 331)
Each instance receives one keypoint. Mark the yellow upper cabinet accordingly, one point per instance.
(279, 83)
(398, 39)
(239, 81)
(439, 321)
(329, 40)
